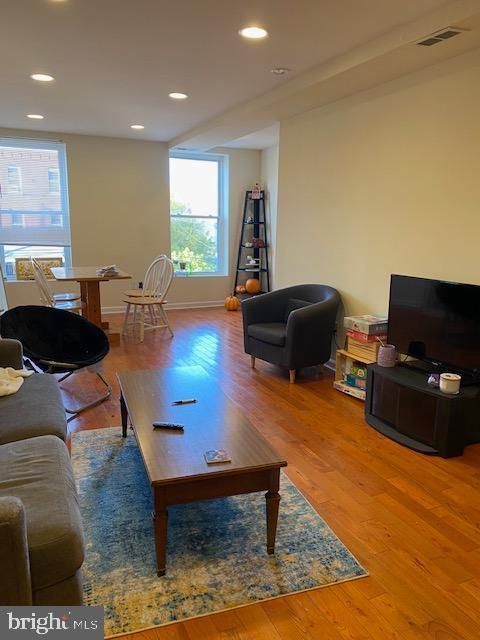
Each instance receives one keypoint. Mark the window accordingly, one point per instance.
(53, 181)
(18, 220)
(34, 215)
(198, 213)
(14, 180)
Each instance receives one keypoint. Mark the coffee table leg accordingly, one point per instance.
(272, 498)
(124, 414)
(160, 523)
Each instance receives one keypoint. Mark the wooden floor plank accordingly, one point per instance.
(256, 622)
(328, 602)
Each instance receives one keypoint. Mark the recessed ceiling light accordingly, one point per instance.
(253, 33)
(42, 77)
(178, 96)
(137, 126)
(279, 71)
(35, 116)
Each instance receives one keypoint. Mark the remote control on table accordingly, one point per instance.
(173, 426)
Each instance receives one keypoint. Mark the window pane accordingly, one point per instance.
(11, 252)
(29, 181)
(194, 244)
(193, 187)
(33, 194)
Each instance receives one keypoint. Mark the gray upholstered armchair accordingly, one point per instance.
(291, 327)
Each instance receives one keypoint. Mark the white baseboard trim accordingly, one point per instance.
(170, 305)
(195, 305)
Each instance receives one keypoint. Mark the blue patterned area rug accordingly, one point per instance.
(216, 556)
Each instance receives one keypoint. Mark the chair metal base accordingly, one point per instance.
(89, 405)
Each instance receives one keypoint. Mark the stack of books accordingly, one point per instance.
(365, 334)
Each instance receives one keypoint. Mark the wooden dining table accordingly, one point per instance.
(90, 292)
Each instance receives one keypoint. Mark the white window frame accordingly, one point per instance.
(17, 190)
(63, 182)
(222, 218)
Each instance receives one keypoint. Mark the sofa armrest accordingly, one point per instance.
(11, 353)
(15, 584)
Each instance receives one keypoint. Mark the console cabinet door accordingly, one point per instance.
(385, 398)
(409, 411)
(417, 415)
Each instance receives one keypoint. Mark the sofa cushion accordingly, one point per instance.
(35, 410)
(293, 304)
(270, 332)
(39, 473)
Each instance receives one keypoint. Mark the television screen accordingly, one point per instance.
(435, 321)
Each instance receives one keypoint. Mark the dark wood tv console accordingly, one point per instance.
(401, 405)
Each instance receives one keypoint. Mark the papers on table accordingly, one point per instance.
(109, 270)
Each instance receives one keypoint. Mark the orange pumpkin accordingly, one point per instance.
(232, 303)
(240, 288)
(252, 285)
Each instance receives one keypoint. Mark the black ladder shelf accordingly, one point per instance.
(252, 236)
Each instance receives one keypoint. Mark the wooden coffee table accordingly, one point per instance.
(174, 461)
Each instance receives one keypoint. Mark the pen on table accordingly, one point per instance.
(189, 401)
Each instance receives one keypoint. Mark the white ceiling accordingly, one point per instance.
(378, 61)
(115, 61)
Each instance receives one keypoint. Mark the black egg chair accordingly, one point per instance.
(57, 341)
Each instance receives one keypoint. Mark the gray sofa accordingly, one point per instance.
(41, 535)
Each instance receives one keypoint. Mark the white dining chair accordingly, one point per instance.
(150, 299)
(65, 301)
(141, 291)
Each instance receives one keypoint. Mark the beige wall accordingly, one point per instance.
(119, 208)
(269, 180)
(387, 181)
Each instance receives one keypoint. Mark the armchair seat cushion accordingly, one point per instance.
(39, 473)
(269, 332)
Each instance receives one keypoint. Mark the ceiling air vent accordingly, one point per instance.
(440, 36)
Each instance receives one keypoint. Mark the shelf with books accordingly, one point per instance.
(364, 336)
(346, 364)
(362, 359)
(349, 390)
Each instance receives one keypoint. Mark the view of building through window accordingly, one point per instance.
(14, 180)
(53, 180)
(34, 218)
(197, 212)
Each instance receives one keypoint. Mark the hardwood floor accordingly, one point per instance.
(413, 521)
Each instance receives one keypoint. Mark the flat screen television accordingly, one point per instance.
(436, 321)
